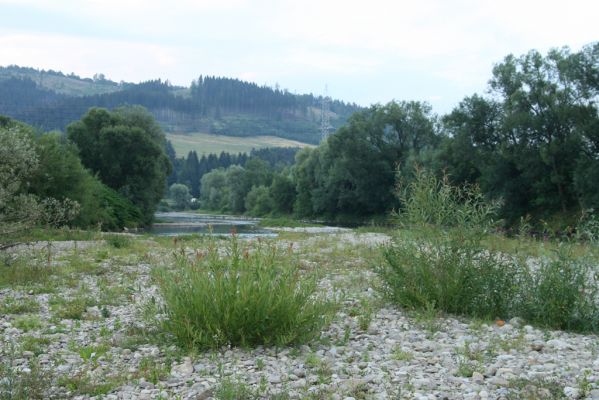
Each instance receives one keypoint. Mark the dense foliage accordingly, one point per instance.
(534, 142)
(42, 182)
(126, 149)
(439, 262)
(531, 144)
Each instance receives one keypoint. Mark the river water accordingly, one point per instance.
(186, 223)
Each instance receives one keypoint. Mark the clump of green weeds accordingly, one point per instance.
(444, 263)
(72, 308)
(36, 345)
(402, 355)
(12, 305)
(249, 296)
(18, 384)
(470, 360)
(28, 322)
(81, 383)
(24, 271)
(229, 389)
(153, 370)
(118, 241)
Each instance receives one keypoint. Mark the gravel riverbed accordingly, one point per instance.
(370, 351)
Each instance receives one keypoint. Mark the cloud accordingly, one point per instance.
(124, 60)
(369, 51)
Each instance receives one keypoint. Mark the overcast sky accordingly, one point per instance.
(365, 51)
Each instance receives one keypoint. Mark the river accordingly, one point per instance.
(186, 223)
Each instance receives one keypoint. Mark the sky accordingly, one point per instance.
(363, 51)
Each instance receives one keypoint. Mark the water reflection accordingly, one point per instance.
(185, 223)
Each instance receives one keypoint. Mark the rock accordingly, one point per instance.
(559, 344)
(594, 394)
(274, 378)
(478, 378)
(572, 393)
(146, 385)
(516, 322)
(184, 369)
(498, 381)
(373, 329)
(537, 346)
(205, 395)
(200, 368)
(423, 383)
(506, 373)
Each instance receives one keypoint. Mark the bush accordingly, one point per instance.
(564, 293)
(251, 296)
(443, 264)
(118, 241)
(440, 273)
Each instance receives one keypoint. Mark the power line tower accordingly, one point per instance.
(325, 115)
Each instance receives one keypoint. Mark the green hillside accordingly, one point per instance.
(216, 105)
(69, 85)
(204, 143)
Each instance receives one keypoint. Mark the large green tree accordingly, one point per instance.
(126, 149)
(534, 143)
(354, 172)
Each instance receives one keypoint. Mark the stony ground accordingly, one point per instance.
(79, 329)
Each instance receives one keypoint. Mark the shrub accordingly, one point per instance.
(16, 384)
(118, 241)
(564, 293)
(444, 265)
(246, 297)
(452, 276)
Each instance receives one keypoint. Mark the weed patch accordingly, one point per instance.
(248, 296)
(11, 305)
(445, 265)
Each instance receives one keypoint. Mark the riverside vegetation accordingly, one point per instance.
(405, 313)
(442, 306)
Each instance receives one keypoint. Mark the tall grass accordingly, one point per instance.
(445, 265)
(247, 296)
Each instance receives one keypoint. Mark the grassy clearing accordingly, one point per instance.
(204, 143)
(445, 265)
(249, 296)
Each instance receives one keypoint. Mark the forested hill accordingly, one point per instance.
(52, 100)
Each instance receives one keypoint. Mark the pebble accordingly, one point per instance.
(395, 351)
(478, 378)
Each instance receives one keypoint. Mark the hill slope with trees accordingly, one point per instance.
(224, 106)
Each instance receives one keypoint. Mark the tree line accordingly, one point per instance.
(531, 142)
(212, 104)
